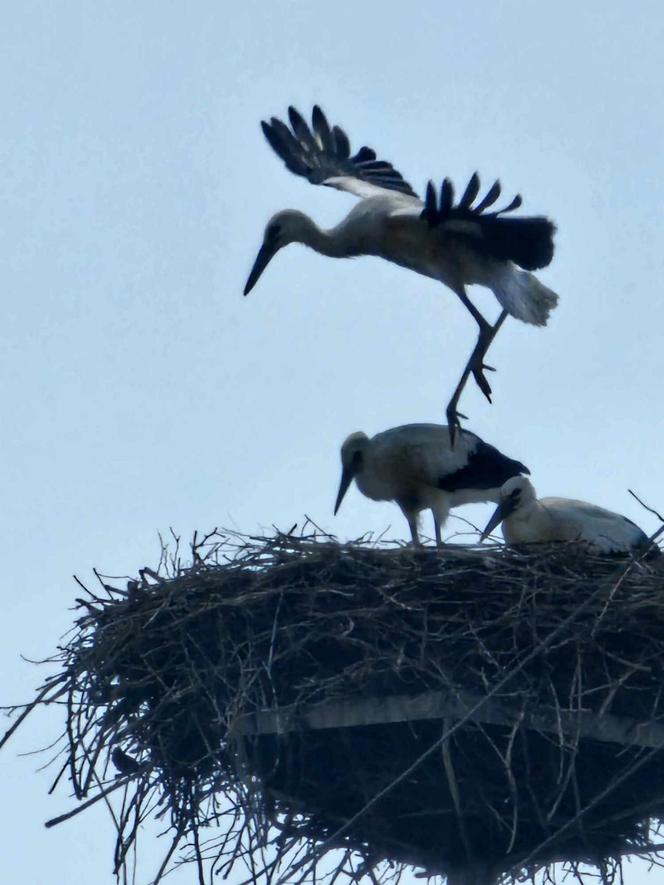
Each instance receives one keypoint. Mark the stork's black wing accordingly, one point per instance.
(323, 151)
(527, 241)
(486, 468)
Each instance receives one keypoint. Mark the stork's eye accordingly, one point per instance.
(273, 231)
(357, 459)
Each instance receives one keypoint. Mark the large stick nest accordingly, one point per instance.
(553, 657)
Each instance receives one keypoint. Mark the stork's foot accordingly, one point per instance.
(478, 369)
(476, 362)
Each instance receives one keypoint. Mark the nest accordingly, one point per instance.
(474, 713)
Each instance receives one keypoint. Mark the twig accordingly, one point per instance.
(646, 507)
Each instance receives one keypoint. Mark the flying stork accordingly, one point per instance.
(527, 520)
(458, 243)
(416, 467)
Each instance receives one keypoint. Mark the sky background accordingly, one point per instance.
(141, 391)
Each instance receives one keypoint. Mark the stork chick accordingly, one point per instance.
(527, 520)
(416, 467)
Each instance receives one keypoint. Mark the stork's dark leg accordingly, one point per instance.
(487, 333)
(412, 525)
(475, 364)
(437, 531)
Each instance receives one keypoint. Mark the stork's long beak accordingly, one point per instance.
(501, 512)
(265, 254)
(347, 475)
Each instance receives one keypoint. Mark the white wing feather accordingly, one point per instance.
(365, 190)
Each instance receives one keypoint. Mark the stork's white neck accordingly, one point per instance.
(332, 243)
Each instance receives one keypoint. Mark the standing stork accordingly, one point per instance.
(456, 243)
(527, 520)
(416, 467)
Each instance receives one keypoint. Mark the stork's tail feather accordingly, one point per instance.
(524, 297)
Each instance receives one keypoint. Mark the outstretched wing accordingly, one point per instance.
(322, 154)
(527, 241)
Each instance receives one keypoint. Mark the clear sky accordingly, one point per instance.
(141, 391)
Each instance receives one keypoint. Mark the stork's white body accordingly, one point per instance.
(546, 520)
(566, 519)
(415, 466)
(390, 226)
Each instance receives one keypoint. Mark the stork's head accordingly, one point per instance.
(289, 226)
(353, 452)
(514, 494)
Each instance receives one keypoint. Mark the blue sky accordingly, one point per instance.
(141, 391)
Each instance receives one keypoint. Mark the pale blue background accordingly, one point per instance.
(139, 390)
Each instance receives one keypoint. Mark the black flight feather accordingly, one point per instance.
(342, 143)
(323, 131)
(322, 151)
(516, 202)
(430, 211)
(489, 198)
(364, 155)
(471, 191)
(446, 198)
(301, 130)
(526, 241)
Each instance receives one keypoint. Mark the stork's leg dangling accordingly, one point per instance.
(475, 364)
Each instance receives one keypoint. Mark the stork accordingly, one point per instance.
(527, 520)
(456, 243)
(416, 467)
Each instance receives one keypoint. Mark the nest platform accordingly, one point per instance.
(293, 705)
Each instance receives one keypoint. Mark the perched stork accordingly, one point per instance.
(416, 467)
(527, 520)
(456, 243)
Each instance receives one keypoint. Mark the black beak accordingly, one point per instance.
(347, 475)
(265, 254)
(501, 512)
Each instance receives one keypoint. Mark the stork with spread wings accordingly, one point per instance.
(458, 244)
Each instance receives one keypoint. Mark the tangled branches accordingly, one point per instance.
(284, 697)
